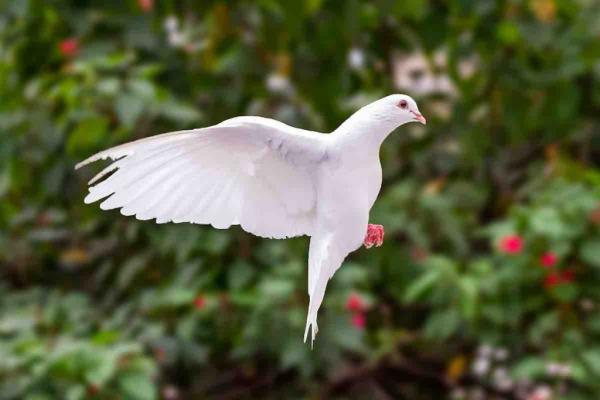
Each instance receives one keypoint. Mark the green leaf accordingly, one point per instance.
(313, 6)
(591, 358)
(142, 88)
(75, 392)
(179, 112)
(442, 324)
(87, 134)
(565, 293)
(589, 252)
(129, 108)
(104, 367)
(508, 32)
(469, 296)
(276, 289)
(414, 9)
(136, 386)
(109, 86)
(547, 222)
(420, 286)
(530, 368)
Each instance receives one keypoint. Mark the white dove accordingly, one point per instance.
(274, 180)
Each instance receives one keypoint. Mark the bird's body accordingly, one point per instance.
(274, 180)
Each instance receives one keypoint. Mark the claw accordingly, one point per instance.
(374, 236)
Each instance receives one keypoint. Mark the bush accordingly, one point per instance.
(485, 286)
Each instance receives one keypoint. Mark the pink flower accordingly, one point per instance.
(69, 47)
(511, 244)
(146, 5)
(199, 302)
(548, 259)
(355, 303)
(359, 321)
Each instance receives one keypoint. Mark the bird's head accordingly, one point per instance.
(400, 108)
(375, 121)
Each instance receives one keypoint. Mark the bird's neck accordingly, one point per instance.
(365, 130)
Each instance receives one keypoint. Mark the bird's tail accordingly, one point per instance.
(311, 321)
(313, 308)
(323, 261)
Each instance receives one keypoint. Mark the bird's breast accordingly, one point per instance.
(352, 185)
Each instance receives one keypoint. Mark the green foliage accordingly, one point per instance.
(96, 305)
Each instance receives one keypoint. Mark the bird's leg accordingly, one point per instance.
(374, 236)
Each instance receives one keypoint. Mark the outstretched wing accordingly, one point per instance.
(252, 171)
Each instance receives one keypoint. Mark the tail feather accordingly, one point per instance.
(323, 262)
(311, 321)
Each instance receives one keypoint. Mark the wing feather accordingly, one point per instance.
(251, 171)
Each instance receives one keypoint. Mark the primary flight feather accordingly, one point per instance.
(274, 180)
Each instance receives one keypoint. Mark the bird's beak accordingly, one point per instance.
(420, 118)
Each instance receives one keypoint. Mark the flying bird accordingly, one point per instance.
(274, 180)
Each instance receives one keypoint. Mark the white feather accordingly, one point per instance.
(215, 175)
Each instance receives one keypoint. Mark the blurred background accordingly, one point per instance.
(487, 285)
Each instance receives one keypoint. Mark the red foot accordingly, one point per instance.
(374, 236)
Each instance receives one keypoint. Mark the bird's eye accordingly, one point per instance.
(403, 104)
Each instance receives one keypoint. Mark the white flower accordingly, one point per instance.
(540, 393)
(467, 67)
(278, 83)
(502, 380)
(356, 58)
(481, 366)
(413, 73)
(484, 350)
(552, 368)
(501, 354)
(176, 39)
(171, 23)
(175, 36)
(565, 371)
(558, 369)
(440, 58)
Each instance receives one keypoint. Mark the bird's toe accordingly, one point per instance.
(374, 236)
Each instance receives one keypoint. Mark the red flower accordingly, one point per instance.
(567, 276)
(548, 259)
(554, 279)
(551, 280)
(146, 5)
(511, 244)
(359, 321)
(355, 303)
(69, 47)
(199, 302)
